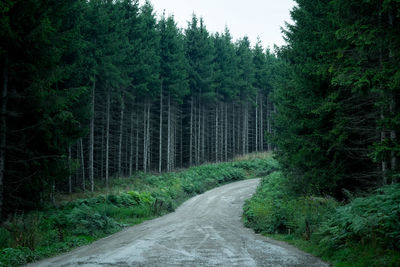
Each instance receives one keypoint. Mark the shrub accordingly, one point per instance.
(17, 256)
(272, 210)
(86, 221)
(374, 219)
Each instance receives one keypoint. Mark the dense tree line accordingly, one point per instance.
(337, 96)
(98, 89)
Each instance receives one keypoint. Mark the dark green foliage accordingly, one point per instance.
(367, 220)
(273, 210)
(364, 232)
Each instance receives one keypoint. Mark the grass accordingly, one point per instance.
(81, 218)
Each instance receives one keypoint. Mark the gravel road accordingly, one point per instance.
(204, 231)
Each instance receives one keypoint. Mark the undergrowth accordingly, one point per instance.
(81, 218)
(364, 232)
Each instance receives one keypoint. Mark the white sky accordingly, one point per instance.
(263, 18)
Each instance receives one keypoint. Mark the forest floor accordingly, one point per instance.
(206, 230)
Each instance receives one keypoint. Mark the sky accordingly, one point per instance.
(253, 18)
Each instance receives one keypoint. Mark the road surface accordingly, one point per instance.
(204, 231)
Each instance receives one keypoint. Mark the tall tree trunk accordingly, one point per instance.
(181, 143)
(269, 128)
(121, 130)
(261, 124)
(393, 108)
(169, 136)
(137, 143)
(233, 131)
(199, 132)
(191, 134)
(69, 169)
(393, 137)
(161, 128)
(148, 146)
(82, 165)
(244, 131)
(108, 135)
(3, 130)
(216, 132)
(131, 148)
(91, 137)
(145, 138)
(257, 122)
(203, 135)
(383, 163)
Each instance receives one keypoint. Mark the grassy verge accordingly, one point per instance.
(364, 232)
(81, 218)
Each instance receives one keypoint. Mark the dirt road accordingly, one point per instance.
(205, 231)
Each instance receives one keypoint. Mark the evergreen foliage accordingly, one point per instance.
(93, 90)
(336, 103)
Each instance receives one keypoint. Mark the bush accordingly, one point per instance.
(17, 256)
(374, 219)
(272, 210)
(86, 221)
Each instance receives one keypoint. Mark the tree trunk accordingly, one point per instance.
(3, 131)
(69, 169)
(233, 131)
(148, 146)
(121, 130)
(169, 136)
(161, 128)
(269, 128)
(137, 143)
(261, 124)
(191, 134)
(257, 122)
(108, 135)
(83, 166)
(383, 163)
(393, 137)
(131, 148)
(144, 139)
(91, 138)
(216, 132)
(244, 131)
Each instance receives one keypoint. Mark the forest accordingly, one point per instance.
(93, 90)
(97, 91)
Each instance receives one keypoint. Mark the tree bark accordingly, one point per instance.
(137, 143)
(121, 129)
(3, 131)
(131, 148)
(83, 166)
(216, 132)
(191, 134)
(108, 135)
(69, 170)
(91, 138)
(161, 128)
(261, 124)
(169, 136)
(257, 122)
(145, 138)
(393, 137)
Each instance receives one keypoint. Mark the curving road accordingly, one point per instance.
(205, 231)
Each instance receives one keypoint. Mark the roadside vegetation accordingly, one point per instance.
(81, 218)
(362, 232)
